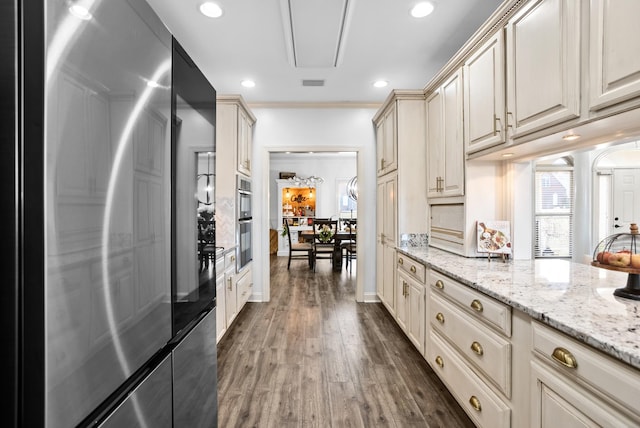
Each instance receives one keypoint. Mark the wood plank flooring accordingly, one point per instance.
(313, 357)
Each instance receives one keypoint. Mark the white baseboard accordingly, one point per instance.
(371, 298)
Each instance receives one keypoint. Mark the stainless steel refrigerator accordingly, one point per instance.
(113, 313)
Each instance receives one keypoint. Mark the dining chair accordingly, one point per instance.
(348, 246)
(298, 250)
(324, 239)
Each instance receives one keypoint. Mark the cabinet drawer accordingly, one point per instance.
(486, 350)
(610, 377)
(476, 398)
(244, 288)
(220, 266)
(494, 313)
(230, 259)
(411, 267)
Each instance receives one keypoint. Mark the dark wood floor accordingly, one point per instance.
(314, 357)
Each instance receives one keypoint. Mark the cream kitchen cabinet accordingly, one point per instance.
(245, 139)
(410, 299)
(575, 386)
(401, 193)
(484, 86)
(445, 142)
(235, 133)
(543, 66)
(471, 332)
(230, 293)
(387, 208)
(387, 141)
(221, 309)
(542, 83)
(613, 51)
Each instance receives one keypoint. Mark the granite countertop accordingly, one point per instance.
(574, 298)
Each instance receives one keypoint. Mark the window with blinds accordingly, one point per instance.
(554, 199)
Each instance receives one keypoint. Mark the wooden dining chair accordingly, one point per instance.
(298, 250)
(348, 247)
(324, 247)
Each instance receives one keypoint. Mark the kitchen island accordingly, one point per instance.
(523, 342)
(574, 298)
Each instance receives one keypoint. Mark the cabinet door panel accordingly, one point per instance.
(614, 47)
(543, 63)
(453, 156)
(435, 143)
(484, 95)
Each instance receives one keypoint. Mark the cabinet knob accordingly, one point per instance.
(475, 403)
(439, 361)
(413, 269)
(440, 317)
(476, 305)
(400, 261)
(440, 284)
(477, 348)
(565, 358)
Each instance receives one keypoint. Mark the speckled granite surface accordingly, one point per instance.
(574, 298)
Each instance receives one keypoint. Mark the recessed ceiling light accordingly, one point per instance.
(422, 9)
(247, 83)
(571, 137)
(80, 11)
(507, 155)
(211, 9)
(380, 83)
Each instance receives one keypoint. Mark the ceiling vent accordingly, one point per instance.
(313, 82)
(315, 31)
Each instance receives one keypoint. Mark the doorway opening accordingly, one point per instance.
(616, 178)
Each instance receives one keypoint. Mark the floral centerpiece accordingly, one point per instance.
(325, 234)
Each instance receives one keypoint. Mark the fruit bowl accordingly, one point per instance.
(620, 252)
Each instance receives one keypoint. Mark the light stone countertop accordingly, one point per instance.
(574, 298)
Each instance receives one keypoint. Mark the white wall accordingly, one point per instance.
(315, 129)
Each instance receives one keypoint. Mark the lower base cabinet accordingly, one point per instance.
(574, 386)
(233, 290)
(504, 368)
(482, 405)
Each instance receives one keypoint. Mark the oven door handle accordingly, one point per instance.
(245, 220)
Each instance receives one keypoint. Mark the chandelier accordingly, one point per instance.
(352, 188)
(310, 181)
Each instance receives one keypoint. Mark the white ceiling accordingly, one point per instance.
(347, 43)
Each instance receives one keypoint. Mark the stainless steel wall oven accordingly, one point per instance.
(245, 223)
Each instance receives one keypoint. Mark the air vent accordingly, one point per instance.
(313, 82)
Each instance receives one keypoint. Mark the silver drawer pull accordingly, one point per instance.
(440, 317)
(565, 358)
(476, 305)
(475, 403)
(477, 348)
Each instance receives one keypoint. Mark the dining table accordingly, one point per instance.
(341, 235)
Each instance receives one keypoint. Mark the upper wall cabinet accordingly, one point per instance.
(387, 141)
(235, 128)
(245, 139)
(542, 85)
(484, 83)
(614, 52)
(543, 65)
(445, 145)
